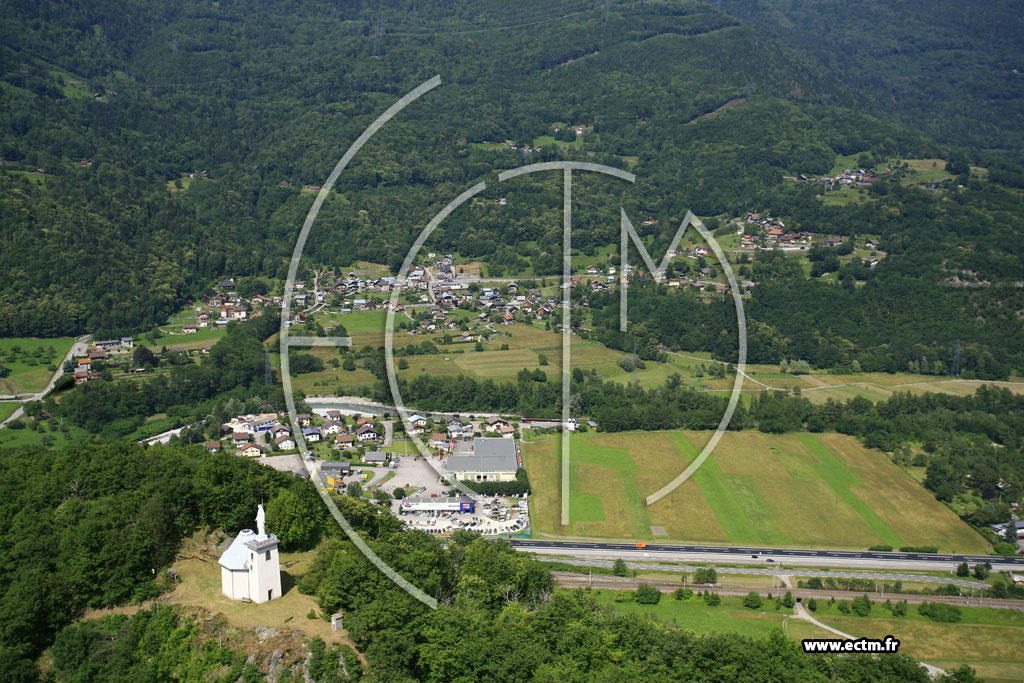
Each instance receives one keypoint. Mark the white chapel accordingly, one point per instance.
(251, 568)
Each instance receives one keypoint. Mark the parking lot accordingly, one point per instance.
(492, 516)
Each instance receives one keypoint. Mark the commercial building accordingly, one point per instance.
(449, 504)
(484, 459)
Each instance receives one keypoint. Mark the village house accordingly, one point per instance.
(285, 442)
(344, 441)
(251, 451)
(496, 423)
(366, 433)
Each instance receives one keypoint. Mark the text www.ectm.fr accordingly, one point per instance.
(887, 644)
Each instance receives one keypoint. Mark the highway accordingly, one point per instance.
(771, 570)
(657, 552)
(577, 580)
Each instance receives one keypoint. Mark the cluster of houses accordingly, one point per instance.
(456, 431)
(343, 437)
(250, 434)
(102, 352)
(850, 177)
(768, 233)
(531, 304)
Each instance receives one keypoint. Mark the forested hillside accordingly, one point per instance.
(119, 105)
(87, 527)
(953, 69)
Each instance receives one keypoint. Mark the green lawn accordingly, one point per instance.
(490, 146)
(29, 361)
(548, 140)
(822, 490)
(7, 408)
(989, 640)
(844, 196)
(204, 336)
(729, 617)
(184, 181)
(37, 178)
(52, 437)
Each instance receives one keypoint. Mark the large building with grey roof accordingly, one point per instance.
(484, 459)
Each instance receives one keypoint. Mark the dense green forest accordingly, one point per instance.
(88, 526)
(953, 69)
(257, 96)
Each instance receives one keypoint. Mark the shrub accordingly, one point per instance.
(647, 595)
(861, 606)
(683, 594)
(880, 548)
(753, 600)
(708, 575)
(947, 614)
(712, 599)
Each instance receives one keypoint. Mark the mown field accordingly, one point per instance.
(527, 343)
(989, 640)
(204, 336)
(729, 617)
(823, 490)
(29, 361)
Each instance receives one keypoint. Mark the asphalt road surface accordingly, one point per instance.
(760, 571)
(574, 580)
(656, 552)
